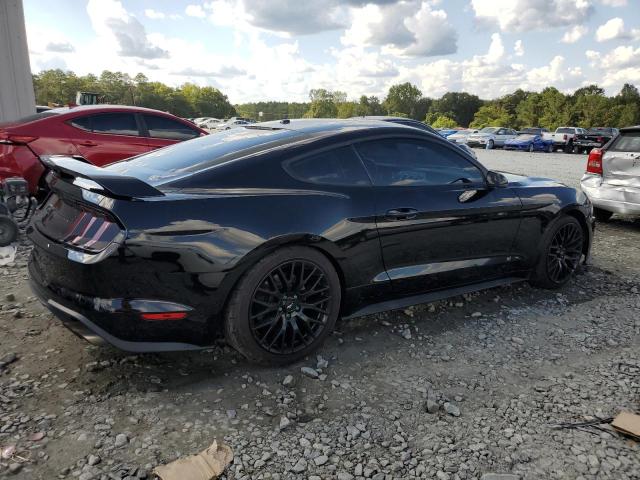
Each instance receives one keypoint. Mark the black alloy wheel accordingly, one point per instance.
(565, 252)
(290, 307)
(284, 307)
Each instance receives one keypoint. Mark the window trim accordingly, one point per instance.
(286, 165)
(447, 145)
(92, 131)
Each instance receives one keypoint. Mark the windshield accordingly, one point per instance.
(160, 166)
(626, 142)
(600, 130)
(532, 131)
(489, 130)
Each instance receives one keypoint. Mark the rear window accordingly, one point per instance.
(334, 167)
(566, 130)
(210, 151)
(626, 142)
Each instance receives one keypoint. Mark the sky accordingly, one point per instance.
(280, 49)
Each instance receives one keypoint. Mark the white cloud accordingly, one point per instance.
(153, 14)
(614, 30)
(575, 34)
(518, 48)
(526, 15)
(614, 3)
(412, 28)
(195, 11)
(111, 20)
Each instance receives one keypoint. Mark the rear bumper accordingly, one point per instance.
(75, 318)
(612, 198)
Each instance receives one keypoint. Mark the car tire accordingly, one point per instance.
(576, 150)
(550, 149)
(568, 148)
(531, 148)
(602, 215)
(8, 231)
(265, 285)
(491, 144)
(560, 253)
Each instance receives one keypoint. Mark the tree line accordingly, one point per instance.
(586, 107)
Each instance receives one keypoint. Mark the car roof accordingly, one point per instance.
(635, 128)
(319, 125)
(103, 108)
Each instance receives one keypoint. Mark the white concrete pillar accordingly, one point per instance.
(16, 85)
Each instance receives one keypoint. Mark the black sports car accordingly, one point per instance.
(267, 234)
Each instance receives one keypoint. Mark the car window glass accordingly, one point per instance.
(83, 123)
(627, 142)
(114, 124)
(413, 162)
(334, 167)
(501, 131)
(167, 128)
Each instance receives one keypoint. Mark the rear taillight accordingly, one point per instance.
(91, 232)
(594, 163)
(565, 136)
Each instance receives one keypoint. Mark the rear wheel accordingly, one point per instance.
(560, 253)
(490, 144)
(8, 231)
(531, 148)
(569, 148)
(284, 307)
(550, 148)
(602, 215)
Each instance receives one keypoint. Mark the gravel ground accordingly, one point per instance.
(458, 389)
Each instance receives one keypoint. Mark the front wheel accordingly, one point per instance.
(550, 148)
(491, 144)
(602, 215)
(531, 148)
(284, 307)
(560, 253)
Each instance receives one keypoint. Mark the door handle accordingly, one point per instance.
(88, 143)
(402, 213)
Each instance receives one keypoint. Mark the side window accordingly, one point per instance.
(163, 127)
(413, 162)
(334, 167)
(115, 124)
(83, 123)
(502, 131)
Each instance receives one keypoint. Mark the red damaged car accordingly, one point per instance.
(101, 134)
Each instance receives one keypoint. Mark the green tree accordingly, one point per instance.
(460, 106)
(324, 103)
(493, 114)
(403, 98)
(554, 108)
(444, 122)
(529, 111)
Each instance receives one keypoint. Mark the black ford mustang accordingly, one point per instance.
(267, 234)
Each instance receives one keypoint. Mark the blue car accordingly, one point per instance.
(447, 131)
(530, 143)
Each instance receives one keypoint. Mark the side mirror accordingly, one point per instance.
(496, 179)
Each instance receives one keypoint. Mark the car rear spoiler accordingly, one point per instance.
(98, 179)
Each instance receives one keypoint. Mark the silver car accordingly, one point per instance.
(461, 136)
(491, 137)
(612, 180)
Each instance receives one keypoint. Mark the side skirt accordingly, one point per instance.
(431, 296)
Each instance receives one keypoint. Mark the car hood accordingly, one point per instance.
(481, 135)
(517, 180)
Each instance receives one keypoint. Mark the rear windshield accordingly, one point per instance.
(566, 130)
(166, 164)
(31, 118)
(626, 142)
(600, 130)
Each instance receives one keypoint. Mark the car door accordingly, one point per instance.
(162, 131)
(440, 225)
(113, 136)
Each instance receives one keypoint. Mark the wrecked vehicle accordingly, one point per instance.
(267, 234)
